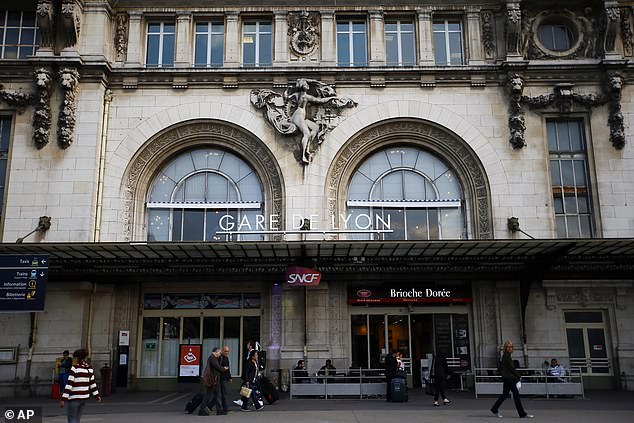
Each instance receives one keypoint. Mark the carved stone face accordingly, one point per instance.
(616, 83)
(67, 79)
(517, 84)
(42, 78)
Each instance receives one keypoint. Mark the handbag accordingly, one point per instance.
(245, 392)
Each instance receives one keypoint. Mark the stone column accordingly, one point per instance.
(183, 57)
(377, 38)
(232, 40)
(425, 37)
(280, 52)
(135, 39)
(474, 35)
(328, 38)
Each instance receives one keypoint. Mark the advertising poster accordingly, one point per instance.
(189, 360)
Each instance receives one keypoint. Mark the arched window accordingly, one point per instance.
(202, 193)
(413, 190)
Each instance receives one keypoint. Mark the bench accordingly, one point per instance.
(534, 383)
(358, 383)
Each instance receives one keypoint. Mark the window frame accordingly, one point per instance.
(595, 229)
(351, 20)
(399, 20)
(446, 21)
(33, 47)
(161, 34)
(212, 22)
(257, 47)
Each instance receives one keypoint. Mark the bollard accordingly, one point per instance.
(106, 378)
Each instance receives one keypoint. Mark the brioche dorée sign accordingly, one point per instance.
(302, 276)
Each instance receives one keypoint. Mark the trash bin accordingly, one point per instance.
(106, 380)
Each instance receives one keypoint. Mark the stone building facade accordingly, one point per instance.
(187, 155)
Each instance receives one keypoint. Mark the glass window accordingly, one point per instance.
(169, 345)
(359, 341)
(257, 43)
(5, 138)
(400, 47)
(150, 346)
(569, 179)
(231, 338)
(191, 330)
(406, 193)
(201, 194)
(160, 44)
(19, 34)
(351, 43)
(209, 44)
(448, 43)
(555, 36)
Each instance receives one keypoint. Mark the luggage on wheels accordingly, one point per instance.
(398, 390)
(194, 403)
(268, 390)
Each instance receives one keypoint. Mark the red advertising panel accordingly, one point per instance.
(189, 360)
(302, 276)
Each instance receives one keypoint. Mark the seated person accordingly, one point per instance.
(300, 374)
(327, 369)
(556, 370)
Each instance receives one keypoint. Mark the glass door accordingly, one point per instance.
(588, 347)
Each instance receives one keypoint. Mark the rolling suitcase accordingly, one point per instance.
(398, 389)
(194, 403)
(268, 390)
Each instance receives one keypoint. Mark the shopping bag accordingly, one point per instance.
(518, 385)
(245, 392)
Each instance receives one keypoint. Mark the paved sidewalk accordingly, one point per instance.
(162, 407)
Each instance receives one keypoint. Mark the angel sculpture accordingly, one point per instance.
(290, 112)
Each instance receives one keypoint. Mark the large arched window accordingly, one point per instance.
(413, 190)
(202, 193)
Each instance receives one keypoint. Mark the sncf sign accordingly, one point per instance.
(302, 276)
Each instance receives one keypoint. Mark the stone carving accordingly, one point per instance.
(563, 97)
(611, 23)
(626, 32)
(488, 34)
(248, 146)
(302, 32)
(42, 116)
(68, 79)
(454, 149)
(584, 26)
(121, 37)
(517, 122)
(70, 22)
(45, 22)
(513, 28)
(16, 99)
(291, 112)
(551, 299)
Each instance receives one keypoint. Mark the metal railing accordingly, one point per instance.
(534, 382)
(358, 383)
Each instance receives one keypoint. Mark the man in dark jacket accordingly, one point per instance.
(441, 371)
(212, 395)
(225, 378)
(510, 377)
(391, 367)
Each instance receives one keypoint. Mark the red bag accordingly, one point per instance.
(55, 394)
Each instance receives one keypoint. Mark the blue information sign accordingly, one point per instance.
(23, 283)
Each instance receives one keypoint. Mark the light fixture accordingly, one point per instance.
(513, 223)
(43, 225)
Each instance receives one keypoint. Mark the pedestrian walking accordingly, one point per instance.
(211, 380)
(391, 367)
(441, 372)
(511, 379)
(249, 377)
(225, 378)
(65, 364)
(80, 387)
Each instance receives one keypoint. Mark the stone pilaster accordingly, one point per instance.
(135, 40)
(280, 49)
(183, 58)
(328, 38)
(425, 37)
(377, 38)
(232, 40)
(474, 37)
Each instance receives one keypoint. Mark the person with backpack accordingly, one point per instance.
(80, 387)
(511, 379)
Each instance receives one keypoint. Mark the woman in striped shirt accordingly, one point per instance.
(81, 386)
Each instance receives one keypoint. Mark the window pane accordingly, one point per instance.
(217, 49)
(408, 49)
(417, 224)
(567, 173)
(248, 49)
(440, 48)
(158, 225)
(250, 332)
(154, 28)
(169, 346)
(359, 341)
(266, 50)
(168, 28)
(570, 203)
(359, 49)
(576, 347)
(586, 226)
(377, 341)
(152, 49)
(560, 226)
(149, 349)
(211, 334)
(563, 136)
(552, 136)
(231, 338)
(573, 227)
(559, 204)
(168, 50)
(555, 176)
(455, 44)
(397, 218)
(191, 330)
(576, 143)
(343, 50)
(391, 49)
(193, 221)
(434, 227)
(583, 317)
(201, 50)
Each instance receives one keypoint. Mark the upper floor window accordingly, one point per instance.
(555, 36)
(400, 47)
(569, 177)
(201, 193)
(414, 191)
(351, 44)
(19, 35)
(209, 43)
(160, 44)
(257, 43)
(5, 138)
(448, 43)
